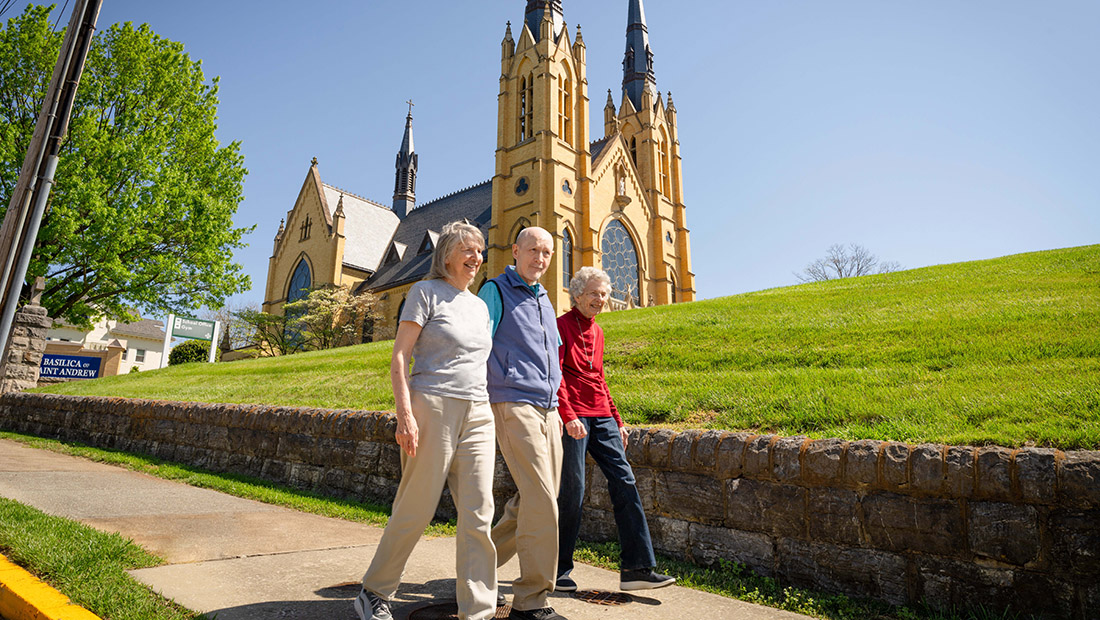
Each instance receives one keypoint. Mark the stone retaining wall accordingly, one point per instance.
(950, 525)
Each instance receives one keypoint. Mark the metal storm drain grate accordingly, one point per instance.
(449, 611)
(603, 597)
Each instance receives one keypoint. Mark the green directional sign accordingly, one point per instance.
(195, 329)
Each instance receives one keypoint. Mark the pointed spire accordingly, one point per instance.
(610, 100)
(580, 39)
(282, 226)
(508, 45)
(404, 187)
(537, 10)
(407, 140)
(340, 205)
(638, 74)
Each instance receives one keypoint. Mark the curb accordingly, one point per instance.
(25, 597)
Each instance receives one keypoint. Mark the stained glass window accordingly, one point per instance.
(620, 261)
(300, 283)
(566, 258)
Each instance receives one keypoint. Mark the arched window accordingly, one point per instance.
(664, 165)
(400, 309)
(566, 258)
(565, 114)
(620, 261)
(526, 107)
(672, 285)
(634, 150)
(300, 282)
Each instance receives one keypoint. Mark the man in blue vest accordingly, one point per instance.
(524, 376)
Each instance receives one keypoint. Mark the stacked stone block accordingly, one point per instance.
(28, 342)
(953, 526)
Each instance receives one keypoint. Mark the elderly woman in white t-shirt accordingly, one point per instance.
(444, 427)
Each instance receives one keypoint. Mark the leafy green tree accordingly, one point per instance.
(332, 316)
(141, 213)
(269, 332)
(191, 351)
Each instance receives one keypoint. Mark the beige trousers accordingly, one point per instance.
(455, 448)
(530, 442)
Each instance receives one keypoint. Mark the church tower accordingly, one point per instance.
(542, 154)
(647, 123)
(404, 187)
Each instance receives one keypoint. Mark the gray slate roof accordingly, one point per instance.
(368, 227)
(145, 328)
(473, 203)
(596, 146)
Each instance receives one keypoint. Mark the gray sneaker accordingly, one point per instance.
(370, 606)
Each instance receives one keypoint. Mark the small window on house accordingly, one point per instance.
(139, 356)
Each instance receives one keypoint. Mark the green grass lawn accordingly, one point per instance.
(1003, 351)
(84, 564)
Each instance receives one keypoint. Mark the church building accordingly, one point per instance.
(615, 202)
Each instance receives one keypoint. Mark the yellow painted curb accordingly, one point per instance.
(25, 597)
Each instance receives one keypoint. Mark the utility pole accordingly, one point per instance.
(28, 202)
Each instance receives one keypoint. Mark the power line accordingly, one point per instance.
(5, 5)
(59, 15)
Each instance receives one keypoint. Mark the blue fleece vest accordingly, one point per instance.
(523, 366)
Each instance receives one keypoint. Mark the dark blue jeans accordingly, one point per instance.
(606, 447)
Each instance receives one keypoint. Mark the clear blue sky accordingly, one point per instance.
(930, 132)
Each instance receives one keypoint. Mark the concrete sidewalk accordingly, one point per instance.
(244, 560)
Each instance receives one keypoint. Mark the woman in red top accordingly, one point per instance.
(593, 425)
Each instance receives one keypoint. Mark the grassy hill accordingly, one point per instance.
(1002, 351)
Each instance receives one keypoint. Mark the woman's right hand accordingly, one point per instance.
(408, 433)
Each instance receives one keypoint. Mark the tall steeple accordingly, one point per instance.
(638, 62)
(404, 187)
(536, 9)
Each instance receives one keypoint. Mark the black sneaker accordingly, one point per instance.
(370, 606)
(565, 584)
(546, 613)
(643, 579)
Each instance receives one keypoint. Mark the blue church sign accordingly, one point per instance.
(69, 367)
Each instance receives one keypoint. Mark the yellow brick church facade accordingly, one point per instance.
(615, 203)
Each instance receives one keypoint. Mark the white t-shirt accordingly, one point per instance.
(451, 353)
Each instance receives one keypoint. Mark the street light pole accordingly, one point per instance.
(28, 203)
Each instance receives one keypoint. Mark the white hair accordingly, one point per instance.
(581, 279)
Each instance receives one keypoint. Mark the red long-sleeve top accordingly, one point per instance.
(583, 392)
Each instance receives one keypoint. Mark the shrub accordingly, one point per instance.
(191, 351)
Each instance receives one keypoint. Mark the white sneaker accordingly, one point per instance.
(370, 606)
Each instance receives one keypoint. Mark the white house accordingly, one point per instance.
(143, 339)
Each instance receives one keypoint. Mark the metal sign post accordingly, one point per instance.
(192, 329)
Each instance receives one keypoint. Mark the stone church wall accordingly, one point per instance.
(951, 525)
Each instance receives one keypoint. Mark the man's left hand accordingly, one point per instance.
(623, 433)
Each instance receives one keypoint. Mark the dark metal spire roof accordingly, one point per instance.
(535, 11)
(407, 141)
(638, 61)
(404, 187)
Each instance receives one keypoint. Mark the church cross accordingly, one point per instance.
(411, 104)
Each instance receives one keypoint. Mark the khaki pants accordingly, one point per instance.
(531, 445)
(456, 448)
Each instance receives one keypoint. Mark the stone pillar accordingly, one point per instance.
(28, 342)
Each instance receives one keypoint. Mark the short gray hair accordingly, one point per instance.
(581, 279)
(453, 234)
